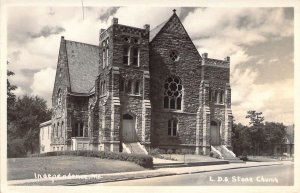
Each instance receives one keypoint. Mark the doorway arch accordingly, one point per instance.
(215, 133)
(128, 128)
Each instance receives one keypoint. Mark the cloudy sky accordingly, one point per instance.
(258, 40)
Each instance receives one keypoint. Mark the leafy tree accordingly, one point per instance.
(256, 130)
(274, 133)
(28, 113)
(11, 97)
(256, 118)
(241, 140)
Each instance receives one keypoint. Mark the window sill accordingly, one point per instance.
(175, 136)
(129, 94)
(220, 104)
(173, 110)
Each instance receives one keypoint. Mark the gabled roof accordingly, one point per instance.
(83, 64)
(155, 31)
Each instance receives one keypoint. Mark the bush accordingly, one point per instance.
(155, 152)
(244, 156)
(178, 151)
(211, 154)
(169, 151)
(142, 160)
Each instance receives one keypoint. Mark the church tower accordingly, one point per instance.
(123, 87)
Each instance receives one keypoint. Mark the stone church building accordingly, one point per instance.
(139, 89)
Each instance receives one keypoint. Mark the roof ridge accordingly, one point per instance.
(81, 43)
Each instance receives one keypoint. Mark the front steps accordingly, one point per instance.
(135, 148)
(226, 154)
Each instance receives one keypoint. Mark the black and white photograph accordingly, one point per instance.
(127, 96)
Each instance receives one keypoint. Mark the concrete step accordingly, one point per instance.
(135, 148)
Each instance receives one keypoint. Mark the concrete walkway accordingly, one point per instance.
(102, 178)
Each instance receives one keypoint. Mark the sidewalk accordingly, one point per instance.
(102, 178)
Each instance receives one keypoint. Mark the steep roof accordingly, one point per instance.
(168, 24)
(156, 30)
(83, 64)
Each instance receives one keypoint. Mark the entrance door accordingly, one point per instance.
(128, 128)
(214, 133)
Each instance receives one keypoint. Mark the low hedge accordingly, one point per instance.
(145, 161)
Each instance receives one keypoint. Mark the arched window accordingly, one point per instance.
(126, 55)
(172, 127)
(57, 130)
(107, 56)
(122, 84)
(135, 57)
(62, 129)
(221, 97)
(210, 95)
(215, 96)
(104, 87)
(78, 129)
(173, 93)
(53, 131)
(59, 97)
(137, 87)
(129, 86)
(103, 58)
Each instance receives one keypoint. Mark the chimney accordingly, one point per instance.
(147, 27)
(114, 21)
(204, 55)
(227, 59)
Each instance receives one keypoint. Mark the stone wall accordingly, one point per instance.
(173, 37)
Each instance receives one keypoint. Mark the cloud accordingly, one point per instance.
(253, 37)
(275, 100)
(47, 31)
(107, 13)
(43, 82)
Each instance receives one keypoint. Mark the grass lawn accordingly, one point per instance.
(24, 168)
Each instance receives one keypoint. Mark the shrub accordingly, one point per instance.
(211, 154)
(155, 152)
(169, 151)
(142, 160)
(216, 156)
(244, 156)
(185, 151)
(178, 151)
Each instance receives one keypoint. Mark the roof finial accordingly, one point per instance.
(174, 10)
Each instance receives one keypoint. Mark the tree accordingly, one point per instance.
(28, 113)
(274, 133)
(256, 130)
(11, 97)
(241, 140)
(256, 118)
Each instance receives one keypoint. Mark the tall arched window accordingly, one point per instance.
(137, 87)
(172, 127)
(122, 84)
(103, 58)
(53, 131)
(62, 129)
(221, 97)
(129, 86)
(173, 93)
(57, 130)
(59, 97)
(78, 132)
